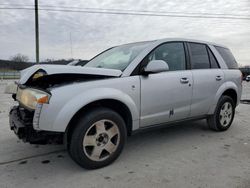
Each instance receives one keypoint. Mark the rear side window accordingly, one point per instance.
(213, 61)
(199, 56)
(227, 57)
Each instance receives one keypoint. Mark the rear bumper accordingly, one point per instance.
(21, 123)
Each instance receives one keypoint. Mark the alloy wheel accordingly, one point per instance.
(226, 112)
(101, 140)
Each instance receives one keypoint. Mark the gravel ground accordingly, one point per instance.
(186, 155)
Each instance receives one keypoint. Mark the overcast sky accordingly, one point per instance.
(92, 33)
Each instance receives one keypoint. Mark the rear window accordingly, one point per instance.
(227, 57)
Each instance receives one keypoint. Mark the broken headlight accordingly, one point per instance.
(30, 97)
(38, 74)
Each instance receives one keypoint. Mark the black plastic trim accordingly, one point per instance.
(187, 54)
(209, 50)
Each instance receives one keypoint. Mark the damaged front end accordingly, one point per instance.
(24, 118)
(21, 122)
(32, 92)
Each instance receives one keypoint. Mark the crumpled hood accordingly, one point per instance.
(65, 69)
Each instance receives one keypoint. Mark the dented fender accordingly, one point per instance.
(68, 100)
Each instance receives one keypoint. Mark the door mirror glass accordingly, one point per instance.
(156, 66)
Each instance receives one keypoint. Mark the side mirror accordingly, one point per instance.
(156, 66)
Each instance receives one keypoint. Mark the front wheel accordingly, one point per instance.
(223, 116)
(98, 138)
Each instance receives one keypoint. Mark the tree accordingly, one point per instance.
(49, 60)
(19, 58)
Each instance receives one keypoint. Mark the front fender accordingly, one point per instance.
(71, 107)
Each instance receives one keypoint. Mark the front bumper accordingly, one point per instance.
(21, 123)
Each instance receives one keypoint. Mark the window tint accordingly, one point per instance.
(199, 56)
(172, 53)
(213, 61)
(228, 57)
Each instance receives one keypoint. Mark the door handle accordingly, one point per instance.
(184, 80)
(218, 78)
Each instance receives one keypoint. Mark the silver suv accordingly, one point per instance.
(125, 89)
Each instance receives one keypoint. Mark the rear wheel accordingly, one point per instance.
(223, 117)
(98, 138)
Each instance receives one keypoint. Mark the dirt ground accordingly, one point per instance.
(186, 155)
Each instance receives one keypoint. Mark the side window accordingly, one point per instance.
(199, 56)
(228, 57)
(172, 53)
(213, 61)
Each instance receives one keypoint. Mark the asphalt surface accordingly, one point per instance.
(186, 155)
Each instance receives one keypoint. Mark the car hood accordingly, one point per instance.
(64, 69)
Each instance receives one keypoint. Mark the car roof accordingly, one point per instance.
(178, 39)
(190, 40)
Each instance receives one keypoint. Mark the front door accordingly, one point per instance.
(166, 96)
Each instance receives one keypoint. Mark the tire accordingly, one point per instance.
(98, 139)
(223, 117)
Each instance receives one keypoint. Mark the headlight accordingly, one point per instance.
(31, 97)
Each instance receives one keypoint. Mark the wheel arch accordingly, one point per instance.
(229, 89)
(113, 104)
(231, 93)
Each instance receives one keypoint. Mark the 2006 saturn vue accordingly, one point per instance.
(92, 109)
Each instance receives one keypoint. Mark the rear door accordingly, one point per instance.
(207, 78)
(166, 96)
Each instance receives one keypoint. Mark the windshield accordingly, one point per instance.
(118, 57)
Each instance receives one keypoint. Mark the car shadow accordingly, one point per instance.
(137, 146)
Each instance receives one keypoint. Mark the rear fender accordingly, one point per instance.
(220, 91)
